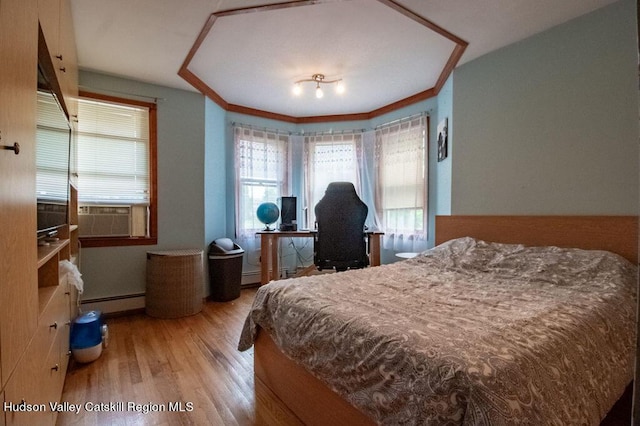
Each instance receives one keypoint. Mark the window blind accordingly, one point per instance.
(401, 179)
(401, 148)
(113, 153)
(52, 155)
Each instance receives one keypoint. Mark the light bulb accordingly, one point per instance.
(319, 93)
(297, 89)
(340, 88)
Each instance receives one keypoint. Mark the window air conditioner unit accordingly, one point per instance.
(104, 221)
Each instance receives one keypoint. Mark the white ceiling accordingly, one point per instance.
(252, 59)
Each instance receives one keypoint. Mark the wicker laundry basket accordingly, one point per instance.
(175, 283)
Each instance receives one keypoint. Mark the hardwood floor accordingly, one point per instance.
(191, 360)
(189, 364)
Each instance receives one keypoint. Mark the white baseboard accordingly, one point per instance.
(112, 305)
(253, 277)
(250, 278)
(133, 302)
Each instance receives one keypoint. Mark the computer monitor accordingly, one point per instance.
(288, 220)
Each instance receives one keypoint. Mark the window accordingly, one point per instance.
(330, 158)
(401, 193)
(116, 154)
(52, 155)
(262, 174)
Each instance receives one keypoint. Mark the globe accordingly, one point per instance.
(268, 213)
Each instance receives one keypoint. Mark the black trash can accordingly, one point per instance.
(225, 270)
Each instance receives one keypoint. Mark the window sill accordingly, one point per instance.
(86, 242)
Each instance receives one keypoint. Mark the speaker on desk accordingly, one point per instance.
(288, 220)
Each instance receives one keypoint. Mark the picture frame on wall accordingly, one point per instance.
(443, 139)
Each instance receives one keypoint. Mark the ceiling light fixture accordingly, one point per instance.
(318, 79)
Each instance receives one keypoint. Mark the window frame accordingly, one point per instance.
(152, 239)
(282, 183)
(311, 143)
(381, 211)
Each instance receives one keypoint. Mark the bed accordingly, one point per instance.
(504, 322)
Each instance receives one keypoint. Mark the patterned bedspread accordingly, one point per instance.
(469, 333)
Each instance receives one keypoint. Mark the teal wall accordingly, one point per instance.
(216, 168)
(442, 184)
(117, 271)
(544, 126)
(550, 125)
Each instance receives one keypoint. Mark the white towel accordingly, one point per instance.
(70, 271)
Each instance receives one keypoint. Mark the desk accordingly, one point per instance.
(269, 247)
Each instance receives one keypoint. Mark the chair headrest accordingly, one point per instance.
(340, 187)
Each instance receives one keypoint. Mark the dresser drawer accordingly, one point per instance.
(28, 394)
(39, 377)
(55, 317)
(54, 368)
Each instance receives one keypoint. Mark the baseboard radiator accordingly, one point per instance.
(252, 278)
(115, 304)
(136, 302)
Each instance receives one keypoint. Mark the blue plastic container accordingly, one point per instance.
(86, 336)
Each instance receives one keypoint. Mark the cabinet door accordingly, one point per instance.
(69, 64)
(49, 17)
(2, 419)
(18, 80)
(57, 26)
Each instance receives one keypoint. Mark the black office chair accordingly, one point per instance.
(340, 241)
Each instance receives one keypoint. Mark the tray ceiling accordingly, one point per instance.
(384, 50)
(383, 56)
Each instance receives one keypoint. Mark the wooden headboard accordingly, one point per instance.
(618, 234)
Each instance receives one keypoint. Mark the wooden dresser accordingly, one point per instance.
(36, 307)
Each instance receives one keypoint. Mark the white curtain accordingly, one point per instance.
(401, 190)
(261, 175)
(330, 158)
(367, 179)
